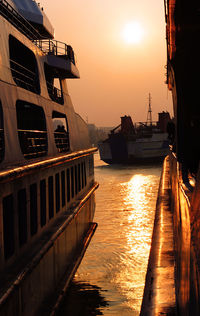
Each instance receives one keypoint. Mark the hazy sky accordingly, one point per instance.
(121, 54)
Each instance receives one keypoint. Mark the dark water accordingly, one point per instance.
(110, 279)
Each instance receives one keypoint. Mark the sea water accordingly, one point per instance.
(111, 277)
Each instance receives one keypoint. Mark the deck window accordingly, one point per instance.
(33, 209)
(23, 66)
(61, 133)
(72, 181)
(91, 165)
(82, 175)
(68, 184)
(79, 177)
(22, 216)
(51, 197)
(2, 144)
(63, 188)
(8, 226)
(32, 131)
(85, 176)
(54, 86)
(57, 184)
(42, 202)
(76, 180)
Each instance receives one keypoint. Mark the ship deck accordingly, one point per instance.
(159, 293)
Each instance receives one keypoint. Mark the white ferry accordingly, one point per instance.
(47, 181)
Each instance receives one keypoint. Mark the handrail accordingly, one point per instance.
(18, 172)
(32, 131)
(55, 93)
(145, 124)
(24, 77)
(33, 143)
(22, 67)
(16, 19)
(56, 48)
(53, 88)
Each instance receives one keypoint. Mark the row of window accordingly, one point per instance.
(25, 73)
(32, 131)
(2, 145)
(52, 195)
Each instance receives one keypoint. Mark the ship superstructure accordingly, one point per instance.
(46, 164)
(141, 142)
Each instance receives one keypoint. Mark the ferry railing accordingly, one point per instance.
(62, 141)
(16, 19)
(24, 77)
(56, 48)
(145, 124)
(144, 129)
(33, 143)
(55, 93)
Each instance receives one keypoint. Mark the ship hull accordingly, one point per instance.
(41, 284)
(133, 152)
(175, 255)
(34, 284)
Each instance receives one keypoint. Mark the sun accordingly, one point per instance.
(132, 33)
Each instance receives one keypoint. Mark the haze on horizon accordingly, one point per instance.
(120, 48)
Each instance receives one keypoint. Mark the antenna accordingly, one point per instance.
(149, 114)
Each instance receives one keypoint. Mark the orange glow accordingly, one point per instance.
(119, 61)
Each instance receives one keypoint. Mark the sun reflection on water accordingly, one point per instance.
(137, 203)
(117, 257)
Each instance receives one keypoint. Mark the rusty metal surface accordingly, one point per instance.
(159, 293)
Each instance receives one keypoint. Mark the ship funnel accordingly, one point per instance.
(127, 126)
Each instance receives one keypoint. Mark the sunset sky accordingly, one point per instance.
(121, 54)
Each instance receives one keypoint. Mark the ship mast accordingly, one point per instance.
(149, 114)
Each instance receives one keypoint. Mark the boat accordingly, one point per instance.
(47, 183)
(141, 142)
(173, 279)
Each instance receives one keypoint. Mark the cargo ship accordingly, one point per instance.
(142, 142)
(47, 184)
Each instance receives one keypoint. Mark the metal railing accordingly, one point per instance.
(145, 124)
(56, 48)
(33, 143)
(16, 19)
(62, 141)
(24, 77)
(55, 93)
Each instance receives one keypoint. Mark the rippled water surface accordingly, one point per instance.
(110, 279)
